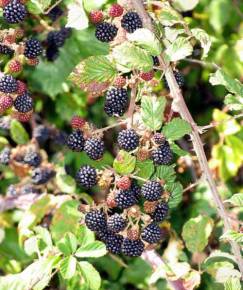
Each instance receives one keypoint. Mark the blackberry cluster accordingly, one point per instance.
(131, 22)
(95, 220)
(8, 84)
(94, 148)
(42, 175)
(87, 176)
(105, 31)
(23, 103)
(128, 140)
(132, 248)
(160, 212)
(5, 156)
(116, 102)
(162, 155)
(14, 12)
(76, 141)
(151, 234)
(116, 223)
(33, 48)
(32, 158)
(152, 190)
(179, 79)
(4, 49)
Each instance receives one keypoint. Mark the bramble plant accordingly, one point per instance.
(127, 198)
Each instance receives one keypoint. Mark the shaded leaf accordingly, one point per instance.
(235, 103)
(177, 150)
(144, 169)
(18, 132)
(124, 163)
(233, 236)
(179, 49)
(236, 199)
(65, 182)
(166, 173)
(203, 38)
(176, 192)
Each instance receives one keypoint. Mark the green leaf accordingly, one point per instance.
(144, 169)
(68, 244)
(92, 250)
(217, 16)
(90, 5)
(166, 173)
(171, 33)
(185, 5)
(68, 267)
(218, 256)
(31, 246)
(85, 236)
(232, 236)
(235, 103)
(227, 125)
(168, 16)
(18, 132)
(176, 129)
(3, 142)
(44, 235)
(179, 49)
(176, 192)
(124, 163)
(152, 111)
(65, 182)
(177, 150)
(204, 39)
(76, 17)
(232, 283)
(38, 6)
(129, 57)
(196, 232)
(236, 199)
(90, 275)
(146, 39)
(222, 271)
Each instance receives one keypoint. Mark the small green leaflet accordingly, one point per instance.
(90, 275)
(179, 49)
(38, 6)
(204, 39)
(176, 191)
(18, 132)
(167, 173)
(68, 244)
(177, 150)
(236, 199)
(144, 169)
(124, 162)
(153, 111)
(235, 103)
(233, 236)
(77, 17)
(168, 16)
(176, 129)
(68, 267)
(65, 182)
(90, 5)
(94, 249)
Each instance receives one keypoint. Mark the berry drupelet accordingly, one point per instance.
(94, 148)
(95, 220)
(76, 141)
(160, 212)
(14, 12)
(105, 32)
(116, 102)
(128, 140)
(8, 84)
(151, 190)
(87, 176)
(42, 175)
(23, 103)
(32, 158)
(151, 233)
(132, 248)
(33, 48)
(131, 22)
(116, 223)
(162, 155)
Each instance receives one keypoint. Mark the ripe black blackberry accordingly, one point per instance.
(132, 248)
(125, 198)
(116, 102)
(135, 189)
(94, 148)
(55, 38)
(87, 176)
(55, 13)
(95, 220)
(179, 79)
(152, 190)
(113, 243)
(8, 84)
(162, 155)
(14, 12)
(151, 233)
(105, 32)
(66, 31)
(23, 103)
(52, 52)
(33, 48)
(131, 22)
(155, 60)
(32, 158)
(160, 212)
(128, 139)
(5, 156)
(4, 49)
(116, 223)
(76, 141)
(42, 175)
(41, 133)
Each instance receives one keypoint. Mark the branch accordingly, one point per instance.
(181, 107)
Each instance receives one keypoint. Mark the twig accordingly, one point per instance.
(191, 186)
(110, 127)
(181, 107)
(53, 6)
(203, 63)
(132, 105)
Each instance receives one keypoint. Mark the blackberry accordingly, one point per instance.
(158, 138)
(105, 32)
(132, 248)
(128, 139)
(55, 13)
(32, 158)
(151, 190)
(41, 133)
(160, 212)
(23, 103)
(113, 243)
(125, 198)
(162, 155)
(116, 223)
(135, 189)
(33, 48)
(66, 31)
(52, 53)
(116, 102)
(151, 233)
(94, 148)
(87, 176)
(8, 84)
(5, 156)
(96, 16)
(76, 141)
(95, 220)
(55, 38)
(14, 12)
(155, 60)
(131, 22)
(42, 175)
(4, 49)
(179, 79)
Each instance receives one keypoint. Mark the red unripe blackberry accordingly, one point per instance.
(119, 82)
(23, 103)
(160, 212)
(152, 190)
(87, 176)
(22, 117)
(124, 183)
(8, 84)
(162, 155)
(151, 234)
(33, 48)
(95, 220)
(96, 16)
(21, 87)
(33, 61)
(15, 66)
(10, 38)
(76, 141)
(116, 102)
(42, 175)
(132, 248)
(147, 76)
(4, 49)
(6, 102)
(110, 201)
(116, 10)
(159, 138)
(94, 148)
(105, 31)
(77, 122)
(3, 3)
(179, 79)
(116, 223)
(128, 139)
(125, 198)
(131, 22)
(14, 12)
